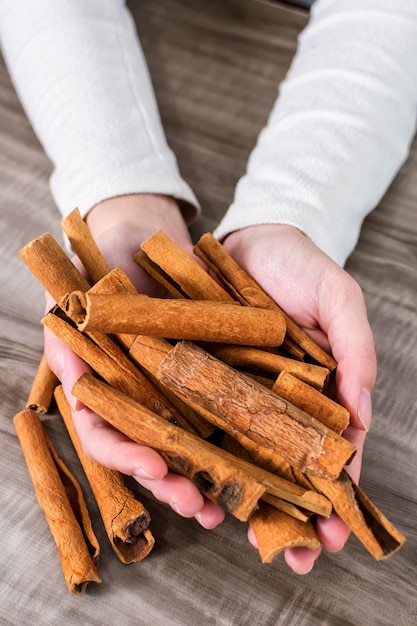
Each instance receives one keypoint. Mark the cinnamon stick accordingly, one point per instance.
(120, 373)
(232, 483)
(116, 281)
(181, 275)
(176, 319)
(242, 357)
(77, 547)
(245, 289)
(275, 531)
(224, 483)
(255, 411)
(150, 352)
(52, 267)
(42, 390)
(364, 519)
(147, 352)
(125, 519)
(310, 400)
(84, 245)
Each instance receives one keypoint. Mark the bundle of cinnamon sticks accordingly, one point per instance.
(217, 378)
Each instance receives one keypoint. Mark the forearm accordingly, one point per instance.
(341, 126)
(80, 73)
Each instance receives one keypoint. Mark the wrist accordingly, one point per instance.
(147, 212)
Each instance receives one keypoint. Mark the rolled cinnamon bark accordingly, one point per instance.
(125, 519)
(275, 531)
(176, 319)
(42, 390)
(77, 545)
(52, 267)
(310, 400)
(120, 373)
(84, 245)
(364, 519)
(245, 289)
(181, 275)
(255, 411)
(232, 483)
(223, 482)
(244, 357)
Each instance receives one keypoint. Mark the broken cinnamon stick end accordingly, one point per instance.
(75, 306)
(42, 391)
(137, 551)
(388, 536)
(275, 531)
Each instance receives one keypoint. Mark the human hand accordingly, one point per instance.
(119, 226)
(329, 305)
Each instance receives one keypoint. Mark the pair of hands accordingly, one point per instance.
(319, 295)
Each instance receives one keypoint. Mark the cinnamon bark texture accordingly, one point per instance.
(280, 456)
(84, 245)
(245, 289)
(42, 390)
(61, 501)
(147, 352)
(224, 483)
(167, 263)
(125, 519)
(255, 411)
(200, 320)
(232, 483)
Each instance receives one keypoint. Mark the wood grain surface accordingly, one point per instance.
(215, 66)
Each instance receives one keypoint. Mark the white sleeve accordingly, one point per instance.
(341, 126)
(81, 76)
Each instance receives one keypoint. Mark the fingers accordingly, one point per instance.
(351, 340)
(301, 560)
(332, 532)
(105, 445)
(112, 449)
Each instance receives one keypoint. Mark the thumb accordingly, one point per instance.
(66, 365)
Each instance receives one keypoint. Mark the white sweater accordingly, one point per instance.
(338, 133)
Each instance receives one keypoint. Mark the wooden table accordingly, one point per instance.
(215, 66)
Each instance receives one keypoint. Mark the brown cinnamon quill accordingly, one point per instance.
(84, 245)
(181, 275)
(77, 547)
(255, 411)
(125, 519)
(245, 357)
(42, 390)
(198, 320)
(310, 400)
(364, 519)
(275, 531)
(245, 289)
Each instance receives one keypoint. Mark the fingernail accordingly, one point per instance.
(174, 506)
(365, 409)
(306, 571)
(141, 472)
(74, 403)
